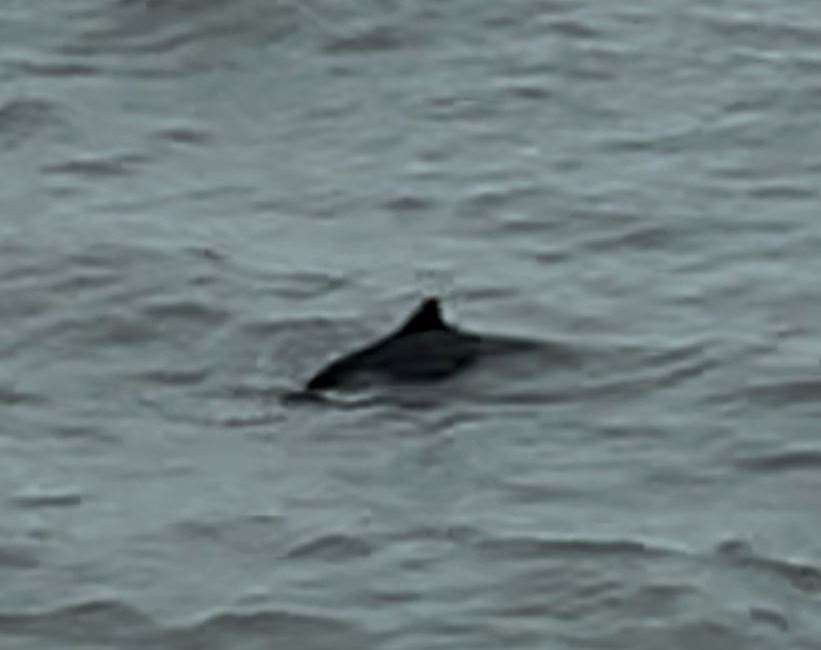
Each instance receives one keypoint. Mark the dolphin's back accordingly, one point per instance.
(424, 348)
(425, 356)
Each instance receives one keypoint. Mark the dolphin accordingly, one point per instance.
(424, 349)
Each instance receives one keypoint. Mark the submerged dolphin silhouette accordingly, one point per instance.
(425, 348)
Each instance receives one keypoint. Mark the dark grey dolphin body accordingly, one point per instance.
(424, 349)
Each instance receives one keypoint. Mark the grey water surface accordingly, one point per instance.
(202, 202)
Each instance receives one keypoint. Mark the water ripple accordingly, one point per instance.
(186, 310)
(163, 39)
(751, 29)
(269, 629)
(770, 617)
(173, 376)
(572, 28)
(95, 167)
(11, 396)
(39, 498)
(189, 135)
(784, 192)
(18, 557)
(803, 577)
(799, 459)
(381, 38)
(527, 548)
(786, 391)
(23, 118)
(58, 70)
(114, 623)
(332, 548)
(93, 621)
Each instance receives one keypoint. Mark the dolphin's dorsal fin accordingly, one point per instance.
(426, 318)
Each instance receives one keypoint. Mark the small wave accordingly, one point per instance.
(86, 433)
(688, 632)
(783, 192)
(449, 107)
(651, 366)
(644, 237)
(798, 459)
(770, 617)
(113, 623)
(381, 38)
(803, 577)
(385, 598)
(693, 369)
(76, 280)
(188, 310)
(185, 135)
(269, 629)
(525, 548)
(112, 329)
(11, 396)
(753, 30)
(633, 383)
(18, 557)
(647, 142)
(172, 38)
(144, 34)
(443, 534)
(334, 548)
(122, 165)
(94, 621)
(573, 29)
(48, 499)
(59, 70)
(785, 392)
(251, 533)
(408, 203)
(173, 377)
(485, 199)
(304, 284)
(25, 112)
(682, 352)
(529, 91)
(263, 419)
(528, 492)
(655, 600)
(21, 119)
(114, 256)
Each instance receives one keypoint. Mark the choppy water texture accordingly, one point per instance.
(204, 201)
